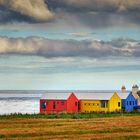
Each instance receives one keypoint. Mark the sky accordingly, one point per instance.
(69, 44)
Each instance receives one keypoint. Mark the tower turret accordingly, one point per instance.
(135, 89)
(123, 89)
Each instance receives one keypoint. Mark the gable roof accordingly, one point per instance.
(94, 96)
(123, 95)
(56, 96)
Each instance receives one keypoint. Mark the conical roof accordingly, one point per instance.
(135, 86)
(123, 87)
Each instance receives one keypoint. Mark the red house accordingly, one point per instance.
(58, 102)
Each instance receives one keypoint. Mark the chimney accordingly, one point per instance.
(135, 89)
(123, 89)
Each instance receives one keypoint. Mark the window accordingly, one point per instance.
(54, 105)
(133, 103)
(62, 103)
(127, 102)
(119, 104)
(93, 104)
(103, 103)
(75, 103)
(85, 104)
(130, 102)
(43, 105)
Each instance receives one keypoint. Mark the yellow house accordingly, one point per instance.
(99, 102)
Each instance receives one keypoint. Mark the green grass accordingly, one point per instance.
(70, 115)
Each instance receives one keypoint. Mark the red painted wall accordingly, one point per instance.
(59, 107)
(68, 105)
(72, 104)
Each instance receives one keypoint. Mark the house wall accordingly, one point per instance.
(92, 106)
(95, 105)
(89, 105)
(72, 104)
(129, 103)
(113, 103)
(134, 93)
(135, 90)
(138, 101)
(123, 104)
(85, 105)
(137, 98)
(59, 107)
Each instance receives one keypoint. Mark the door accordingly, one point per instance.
(54, 105)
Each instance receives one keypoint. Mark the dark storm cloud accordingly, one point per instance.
(95, 5)
(98, 13)
(82, 5)
(92, 13)
(7, 15)
(68, 48)
(24, 10)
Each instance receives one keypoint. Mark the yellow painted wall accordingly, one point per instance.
(113, 103)
(89, 105)
(95, 105)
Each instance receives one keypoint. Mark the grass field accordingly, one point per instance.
(71, 115)
(125, 127)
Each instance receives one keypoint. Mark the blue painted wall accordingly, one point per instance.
(129, 103)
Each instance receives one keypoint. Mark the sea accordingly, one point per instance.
(25, 101)
(20, 101)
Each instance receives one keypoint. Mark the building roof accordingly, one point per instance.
(56, 96)
(135, 86)
(94, 96)
(123, 95)
(123, 87)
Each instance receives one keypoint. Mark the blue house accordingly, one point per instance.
(128, 101)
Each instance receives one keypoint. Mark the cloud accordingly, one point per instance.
(90, 13)
(69, 48)
(88, 5)
(79, 34)
(30, 10)
(97, 5)
(97, 13)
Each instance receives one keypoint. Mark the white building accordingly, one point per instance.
(135, 93)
